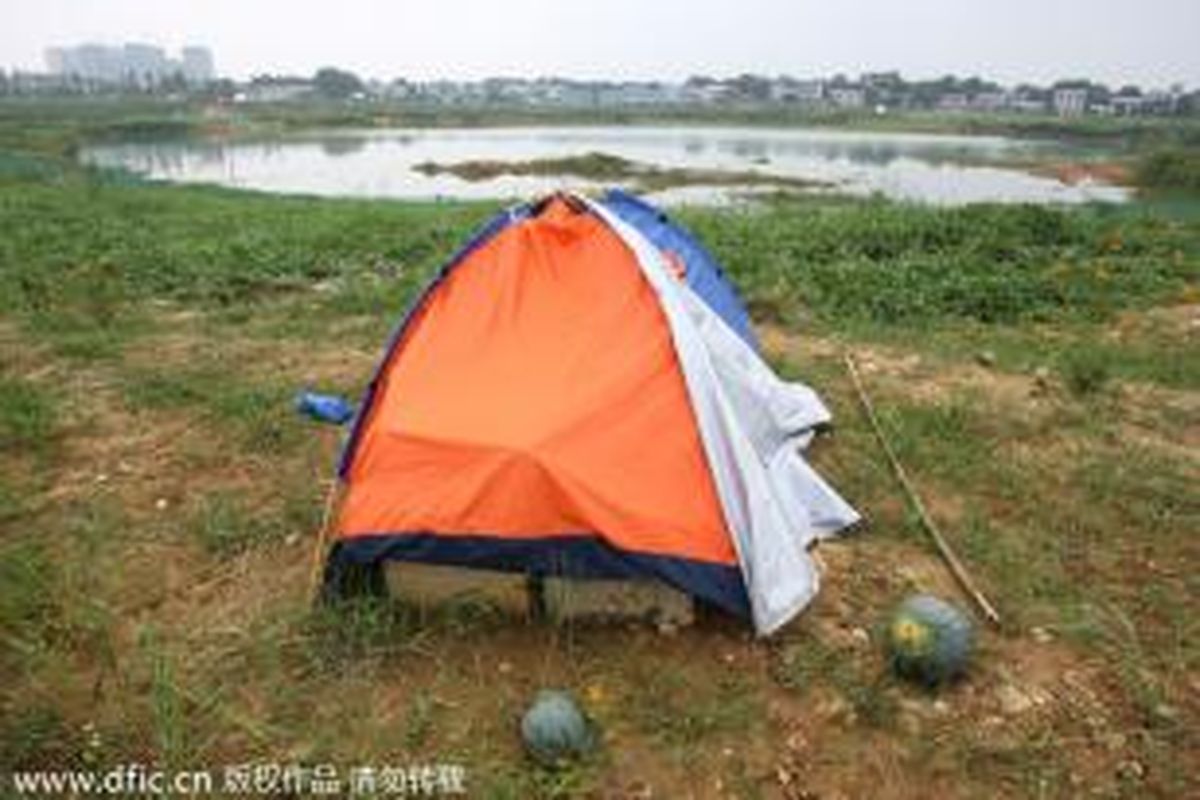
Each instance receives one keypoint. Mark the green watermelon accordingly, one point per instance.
(554, 729)
(929, 640)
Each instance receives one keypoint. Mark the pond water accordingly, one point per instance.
(380, 163)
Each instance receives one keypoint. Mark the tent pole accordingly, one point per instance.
(956, 567)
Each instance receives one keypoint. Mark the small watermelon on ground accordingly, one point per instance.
(929, 640)
(554, 729)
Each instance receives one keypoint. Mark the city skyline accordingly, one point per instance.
(139, 62)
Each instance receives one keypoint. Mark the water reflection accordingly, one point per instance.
(379, 163)
(342, 145)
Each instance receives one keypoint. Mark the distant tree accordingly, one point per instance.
(1072, 83)
(891, 80)
(3, 82)
(926, 94)
(338, 83)
(975, 85)
(220, 89)
(174, 82)
(1129, 90)
(752, 87)
(1031, 92)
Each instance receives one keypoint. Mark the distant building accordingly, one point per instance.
(274, 90)
(56, 60)
(1026, 104)
(143, 65)
(506, 91)
(398, 89)
(1163, 102)
(706, 91)
(1069, 102)
(91, 62)
(990, 101)
(848, 98)
(566, 93)
(18, 82)
(1128, 105)
(449, 93)
(133, 64)
(954, 101)
(789, 90)
(197, 63)
(882, 80)
(634, 94)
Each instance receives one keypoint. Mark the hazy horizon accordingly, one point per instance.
(1151, 43)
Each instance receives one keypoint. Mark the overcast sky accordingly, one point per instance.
(1152, 42)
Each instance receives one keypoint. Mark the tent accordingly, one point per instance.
(578, 392)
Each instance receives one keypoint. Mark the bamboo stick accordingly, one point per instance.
(956, 567)
(323, 534)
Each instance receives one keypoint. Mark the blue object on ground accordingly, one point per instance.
(324, 407)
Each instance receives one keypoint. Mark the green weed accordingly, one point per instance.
(900, 264)
(947, 437)
(1086, 372)
(167, 389)
(225, 525)
(30, 615)
(807, 662)
(12, 504)
(418, 723)
(540, 783)
(1170, 169)
(36, 736)
(263, 416)
(89, 248)
(337, 638)
(28, 416)
(682, 715)
(168, 715)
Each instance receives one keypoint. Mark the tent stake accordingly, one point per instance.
(323, 534)
(956, 567)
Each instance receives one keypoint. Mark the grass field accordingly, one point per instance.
(1038, 370)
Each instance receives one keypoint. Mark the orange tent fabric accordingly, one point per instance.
(537, 395)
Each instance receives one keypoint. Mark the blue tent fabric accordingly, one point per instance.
(702, 272)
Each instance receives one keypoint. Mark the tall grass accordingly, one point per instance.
(1170, 169)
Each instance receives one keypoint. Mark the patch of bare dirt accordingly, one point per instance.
(1076, 172)
(1180, 321)
(919, 377)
